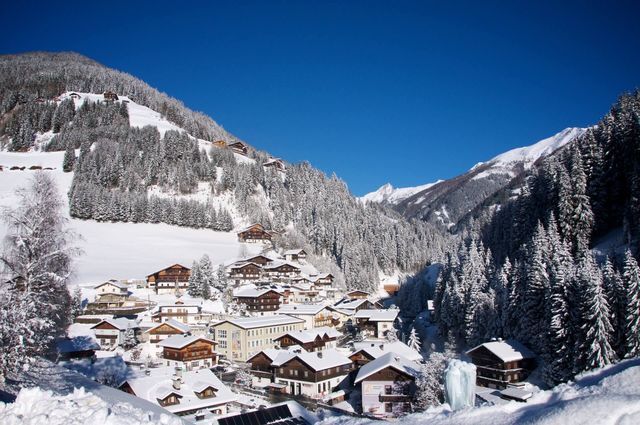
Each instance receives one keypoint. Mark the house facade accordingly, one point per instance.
(255, 233)
(314, 315)
(245, 271)
(376, 323)
(500, 363)
(188, 352)
(166, 330)
(172, 280)
(110, 333)
(258, 301)
(187, 314)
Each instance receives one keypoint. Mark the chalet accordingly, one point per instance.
(261, 260)
(110, 333)
(171, 280)
(189, 352)
(366, 351)
(375, 322)
(303, 293)
(351, 307)
(339, 317)
(262, 371)
(258, 300)
(280, 270)
(323, 279)
(357, 295)
(317, 339)
(167, 329)
(239, 148)
(179, 311)
(312, 374)
(275, 163)
(500, 363)
(295, 255)
(112, 287)
(220, 144)
(388, 385)
(245, 271)
(254, 234)
(193, 393)
(239, 339)
(314, 315)
(391, 288)
(110, 96)
(79, 347)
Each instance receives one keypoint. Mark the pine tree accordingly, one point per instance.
(195, 281)
(76, 303)
(206, 274)
(69, 159)
(414, 340)
(631, 280)
(616, 298)
(129, 341)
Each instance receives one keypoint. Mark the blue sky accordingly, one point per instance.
(400, 92)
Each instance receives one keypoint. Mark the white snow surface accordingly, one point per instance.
(387, 193)
(610, 395)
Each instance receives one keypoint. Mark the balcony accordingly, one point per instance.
(395, 398)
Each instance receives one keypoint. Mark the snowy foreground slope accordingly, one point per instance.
(118, 250)
(607, 396)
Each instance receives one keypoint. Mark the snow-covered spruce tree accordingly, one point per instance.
(69, 159)
(206, 274)
(414, 340)
(35, 304)
(130, 339)
(536, 287)
(76, 303)
(631, 280)
(195, 281)
(616, 297)
(430, 382)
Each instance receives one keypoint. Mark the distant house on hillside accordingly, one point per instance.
(74, 95)
(255, 233)
(239, 148)
(295, 255)
(258, 300)
(110, 96)
(357, 295)
(220, 144)
(275, 163)
(500, 363)
(170, 280)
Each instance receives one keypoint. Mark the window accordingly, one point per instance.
(388, 408)
(306, 373)
(387, 389)
(222, 333)
(223, 344)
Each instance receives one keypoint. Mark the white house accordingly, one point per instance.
(196, 394)
(112, 287)
(110, 333)
(189, 314)
(376, 322)
(295, 255)
(314, 315)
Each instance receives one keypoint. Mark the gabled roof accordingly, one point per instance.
(262, 321)
(171, 266)
(310, 335)
(121, 323)
(507, 351)
(181, 341)
(301, 309)
(174, 324)
(113, 282)
(376, 349)
(357, 291)
(294, 251)
(350, 304)
(279, 263)
(377, 315)
(388, 360)
(243, 264)
(250, 291)
(321, 360)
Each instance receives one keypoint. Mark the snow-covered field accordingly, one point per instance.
(604, 397)
(120, 250)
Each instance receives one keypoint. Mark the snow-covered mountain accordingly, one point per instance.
(391, 195)
(446, 202)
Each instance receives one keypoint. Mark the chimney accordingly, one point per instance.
(319, 354)
(176, 383)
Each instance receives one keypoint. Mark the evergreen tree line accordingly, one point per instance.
(26, 77)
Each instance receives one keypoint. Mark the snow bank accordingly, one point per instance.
(34, 406)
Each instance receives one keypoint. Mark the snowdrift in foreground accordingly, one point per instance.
(607, 396)
(34, 406)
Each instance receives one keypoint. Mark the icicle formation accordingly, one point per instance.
(460, 384)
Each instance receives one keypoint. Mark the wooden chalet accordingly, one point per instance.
(189, 351)
(166, 330)
(316, 339)
(170, 280)
(275, 163)
(500, 363)
(258, 300)
(245, 271)
(220, 144)
(323, 279)
(357, 295)
(239, 148)
(261, 367)
(110, 96)
(281, 270)
(255, 233)
(260, 259)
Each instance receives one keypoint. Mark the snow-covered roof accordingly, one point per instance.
(279, 263)
(392, 360)
(294, 251)
(159, 384)
(263, 321)
(378, 348)
(516, 393)
(310, 335)
(113, 282)
(250, 291)
(320, 360)
(377, 315)
(350, 304)
(78, 343)
(184, 328)
(180, 341)
(300, 309)
(241, 264)
(276, 356)
(121, 323)
(507, 351)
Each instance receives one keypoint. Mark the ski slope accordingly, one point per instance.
(119, 250)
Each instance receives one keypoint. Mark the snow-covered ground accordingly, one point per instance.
(120, 250)
(387, 193)
(607, 396)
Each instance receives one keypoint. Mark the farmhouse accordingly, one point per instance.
(245, 271)
(184, 393)
(323, 279)
(310, 340)
(258, 300)
(171, 280)
(281, 269)
(388, 385)
(357, 295)
(260, 259)
(500, 363)
(275, 163)
(239, 339)
(112, 287)
(188, 352)
(190, 314)
(254, 234)
(295, 255)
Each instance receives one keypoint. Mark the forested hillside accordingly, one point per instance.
(124, 173)
(527, 269)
